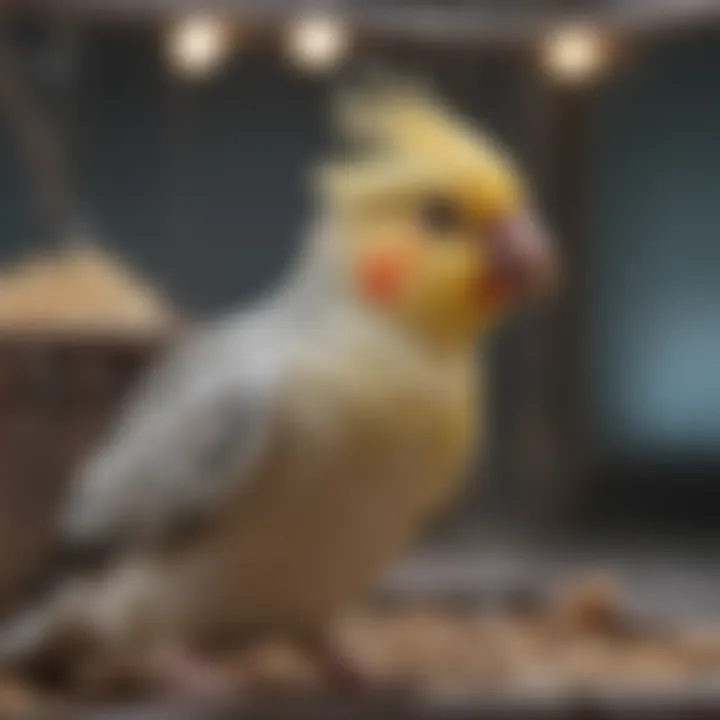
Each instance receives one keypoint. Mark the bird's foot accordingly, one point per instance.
(345, 676)
(182, 675)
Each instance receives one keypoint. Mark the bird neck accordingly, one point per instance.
(318, 283)
(320, 289)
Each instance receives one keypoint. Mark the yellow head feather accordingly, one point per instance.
(408, 140)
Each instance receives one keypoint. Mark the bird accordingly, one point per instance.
(277, 459)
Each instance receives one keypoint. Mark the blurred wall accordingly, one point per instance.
(198, 184)
(654, 325)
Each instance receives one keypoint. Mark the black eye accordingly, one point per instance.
(440, 215)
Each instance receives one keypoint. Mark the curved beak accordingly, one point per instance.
(522, 260)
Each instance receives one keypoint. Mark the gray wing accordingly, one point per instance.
(190, 437)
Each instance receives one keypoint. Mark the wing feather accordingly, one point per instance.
(191, 436)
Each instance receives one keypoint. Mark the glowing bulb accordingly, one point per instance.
(197, 46)
(575, 54)
(317, 43)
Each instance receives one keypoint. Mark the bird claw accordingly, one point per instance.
(345, 677)
(181, 675)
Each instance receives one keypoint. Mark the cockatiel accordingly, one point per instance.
(277, 460)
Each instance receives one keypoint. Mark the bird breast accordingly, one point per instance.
(367, 445)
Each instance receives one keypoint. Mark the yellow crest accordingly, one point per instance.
(402, 138)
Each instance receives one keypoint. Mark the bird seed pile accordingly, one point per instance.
(582, 640)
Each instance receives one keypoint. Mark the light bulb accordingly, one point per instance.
(317, 43)
(197, 46)
(575, 54)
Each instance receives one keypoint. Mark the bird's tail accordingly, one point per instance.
(25, 637)
(37, 642)
(20, 634)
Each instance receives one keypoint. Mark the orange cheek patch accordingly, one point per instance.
(383, 273)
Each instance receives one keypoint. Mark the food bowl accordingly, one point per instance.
(58, 390)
